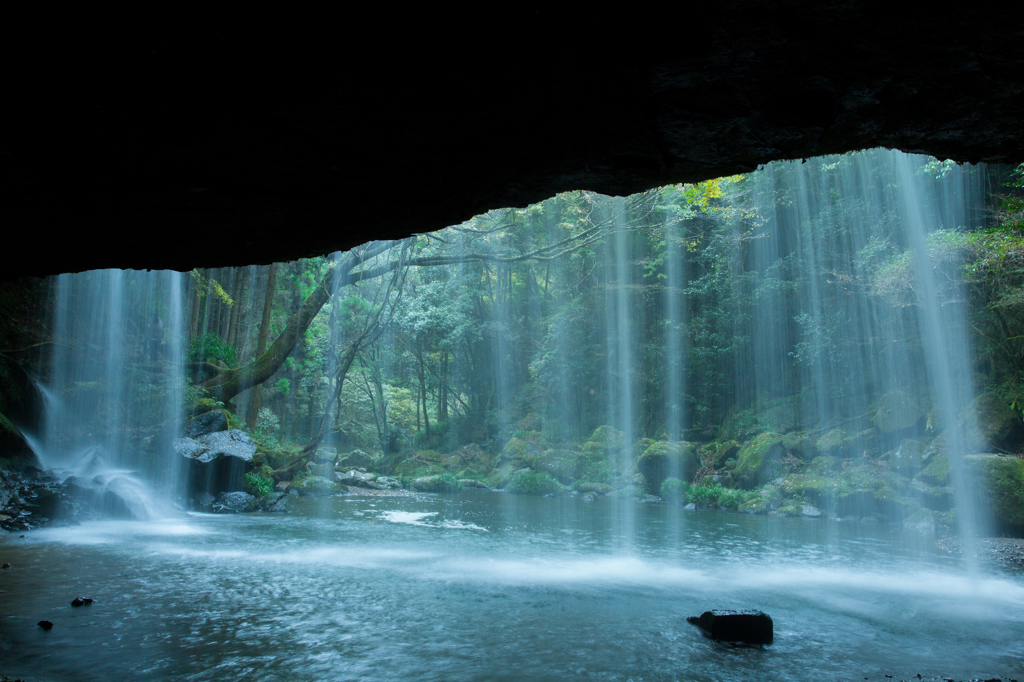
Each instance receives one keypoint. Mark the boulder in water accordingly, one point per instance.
(748, 627)
(234, 503)
(276, 502)
(208, 422)
(204, 502)
(357, 478)
(206, 448)
(217, 461)
(357, 459)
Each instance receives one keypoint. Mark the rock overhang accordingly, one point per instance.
(157, 154)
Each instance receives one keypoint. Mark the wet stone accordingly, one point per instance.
(210, 422)
(747, 627)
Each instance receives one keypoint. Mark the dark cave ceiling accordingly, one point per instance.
(149, 153)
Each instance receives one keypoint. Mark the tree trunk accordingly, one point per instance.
(261, 344)
(236, 310)
(442, 390)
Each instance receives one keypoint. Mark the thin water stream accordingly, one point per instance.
(491, 586)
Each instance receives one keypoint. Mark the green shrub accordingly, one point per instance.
(705, 495)
(447, 482)
(674, 490)
(533, 483)
(256, 484)
(211, 348)
(732, 499)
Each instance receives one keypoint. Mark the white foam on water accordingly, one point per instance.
(409, 518)
(117, 532)
(462, 525)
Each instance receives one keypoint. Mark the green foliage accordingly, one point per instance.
(211, 348)
(674, 490)
(258, 483)
(734, 499)
(533, 483)
(447, 482)
(705, 495)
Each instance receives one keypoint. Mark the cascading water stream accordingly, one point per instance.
(114, 385)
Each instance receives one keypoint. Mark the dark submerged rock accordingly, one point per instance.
(274, 502)
(748, 627)
(81, 601)
(234, 503)
(45, 624)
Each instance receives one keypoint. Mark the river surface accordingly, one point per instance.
(491, 586)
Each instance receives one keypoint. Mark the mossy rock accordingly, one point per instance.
(499, 478)
(937, 471)
(592, 465)
(757, 461)
(640, 447)
(998, 482)
(531, 422)
(429, 455)
(740, 425)
(440, 483)
(988, 423)
(933, 497)
(517, 451)
(452, 462)
(922, 520)
(664, 459)
(315, 486)
(900, 409)
(908, 458)
(858, 503)
(824, 465)
(592, 487)
(891, 506)
(834, 443)
(799, 444)
(721, 451)
(790, 509)
(608, 436)
(562, 464)
(757, 505)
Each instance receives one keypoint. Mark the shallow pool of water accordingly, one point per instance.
(490, 586)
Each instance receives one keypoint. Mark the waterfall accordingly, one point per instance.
(115, 381)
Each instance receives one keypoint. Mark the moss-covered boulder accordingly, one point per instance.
(834, 443)
(665, 459)
(440, 483)
(908, 458)
(824, 465)
(998, 482)
(606, 438)
(758, 460)
(596, 488)
(900, 409)
(799, 444)
(756, 505)
(988, 423)
(936, 472)
(892, 506)
(561, 464)
(721, 452)
(922, 521)
(517, 452)
(315, 486)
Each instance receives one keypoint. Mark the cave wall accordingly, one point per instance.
(221, 149)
